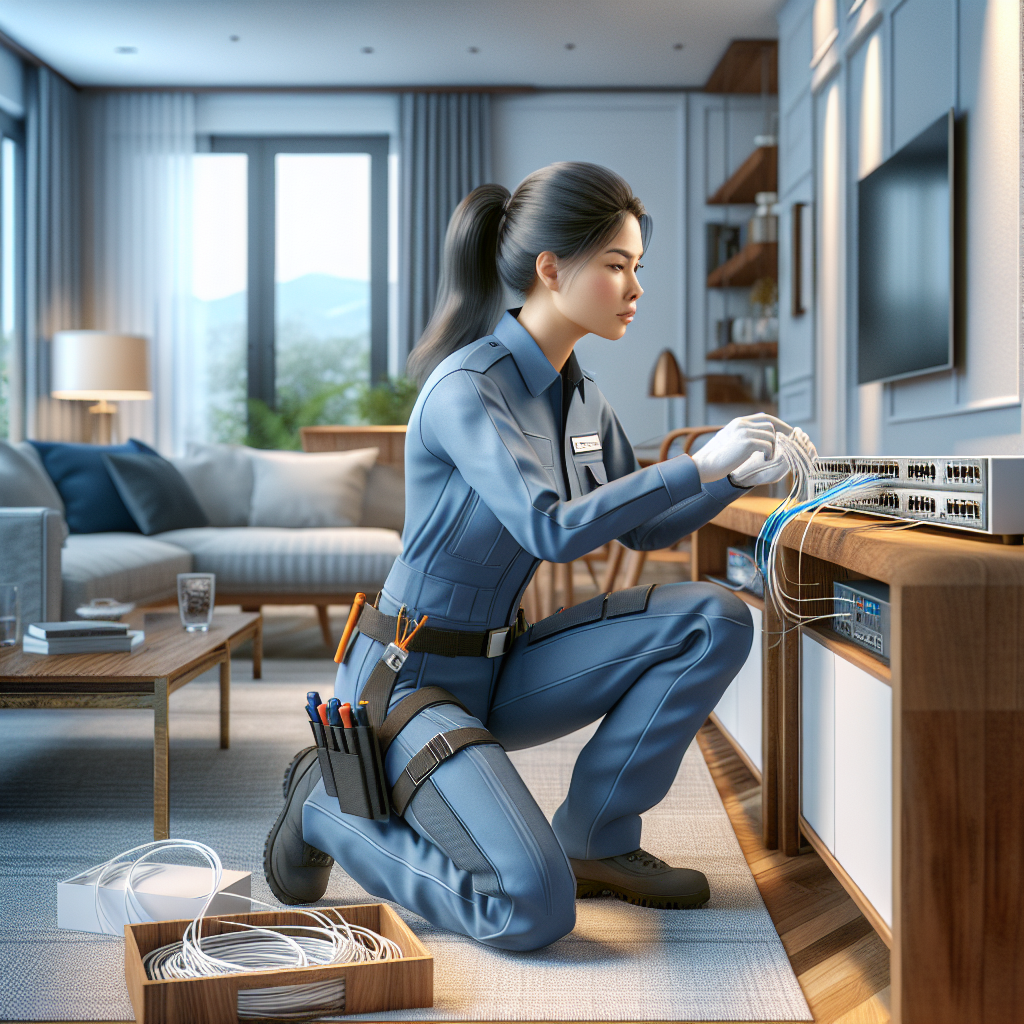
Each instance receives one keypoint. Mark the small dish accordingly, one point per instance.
(104, 608)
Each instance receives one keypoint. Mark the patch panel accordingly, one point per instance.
(862, 614)
(984, 494)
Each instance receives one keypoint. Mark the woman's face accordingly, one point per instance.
(601, 295)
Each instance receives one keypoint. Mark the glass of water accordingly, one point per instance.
(10, 615)
(195, 600)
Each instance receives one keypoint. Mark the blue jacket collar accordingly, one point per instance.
(537, 371)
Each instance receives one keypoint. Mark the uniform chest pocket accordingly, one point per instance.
(590, 471)
(597, 473)
(544, 449)
(476, 532)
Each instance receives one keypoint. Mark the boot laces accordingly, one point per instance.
(647, 860)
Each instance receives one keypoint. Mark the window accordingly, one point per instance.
(11, 206)
(289, 283)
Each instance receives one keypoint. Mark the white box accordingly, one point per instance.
(166, 892)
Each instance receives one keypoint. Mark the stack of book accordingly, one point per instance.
(81, 638)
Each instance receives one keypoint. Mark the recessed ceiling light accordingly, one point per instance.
(366, 49)
(677, 46)
(474, 49)
(234, 39)
(126, 49)
(570, 46)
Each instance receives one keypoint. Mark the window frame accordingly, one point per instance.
(261, 248)
(14, 129)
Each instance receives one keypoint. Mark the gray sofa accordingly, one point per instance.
(255, 565)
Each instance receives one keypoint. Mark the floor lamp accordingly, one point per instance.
(101, 367)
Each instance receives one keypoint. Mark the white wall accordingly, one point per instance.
(642, 136)
(894, 67)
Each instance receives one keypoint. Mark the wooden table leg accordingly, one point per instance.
(225, 700)
(161, 800)
(325, 625)
(257, 650)
(615, 553)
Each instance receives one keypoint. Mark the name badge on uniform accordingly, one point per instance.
(586, 443)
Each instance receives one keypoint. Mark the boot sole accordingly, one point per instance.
(268, 872)
(589, 890)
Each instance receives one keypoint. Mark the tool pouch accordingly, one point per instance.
(353, 770)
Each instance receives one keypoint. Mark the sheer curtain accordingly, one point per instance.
(445, 152)
(53, 280)
(137, 225)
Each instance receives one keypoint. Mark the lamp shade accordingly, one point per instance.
(99, 366)
(667, 381)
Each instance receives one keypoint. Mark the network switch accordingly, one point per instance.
(862, 614)
(984, 494)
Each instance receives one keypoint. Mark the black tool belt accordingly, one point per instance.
(358, 778)
(451, 643)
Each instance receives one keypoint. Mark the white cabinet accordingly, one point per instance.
(817, 739)
(739, 710)
(846, 767)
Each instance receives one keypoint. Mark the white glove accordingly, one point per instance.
(734, 445)
(757, 470)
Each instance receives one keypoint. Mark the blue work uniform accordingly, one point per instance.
(499, 477)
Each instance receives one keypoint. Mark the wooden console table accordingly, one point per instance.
(167, 660)
(957, 744)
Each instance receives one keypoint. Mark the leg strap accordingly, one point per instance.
(443, 746)
(408, 708)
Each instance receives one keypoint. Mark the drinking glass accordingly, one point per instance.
(10, 615)
(195, 600)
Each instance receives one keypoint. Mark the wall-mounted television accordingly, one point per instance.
(905, 260)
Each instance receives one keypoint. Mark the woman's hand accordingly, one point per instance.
(758, 470)
(735, 444)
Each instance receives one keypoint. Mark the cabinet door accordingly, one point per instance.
(749, 701)
(863, 783)
(725, 709)
(817, 738)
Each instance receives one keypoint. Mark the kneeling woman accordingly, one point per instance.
(512, 456)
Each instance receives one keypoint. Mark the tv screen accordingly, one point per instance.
(905, 260)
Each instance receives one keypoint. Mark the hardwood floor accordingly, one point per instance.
(841, 963)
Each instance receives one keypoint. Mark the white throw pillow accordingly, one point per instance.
(221, 476)
(297, 489)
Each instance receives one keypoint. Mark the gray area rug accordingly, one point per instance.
(76, 788)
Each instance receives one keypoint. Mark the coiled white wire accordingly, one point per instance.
(328, 939)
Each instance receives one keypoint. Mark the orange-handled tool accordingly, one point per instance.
(353, 617)
(322, 712)
(346, 715)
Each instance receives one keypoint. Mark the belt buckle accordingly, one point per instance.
(499, 641)
(440, 749)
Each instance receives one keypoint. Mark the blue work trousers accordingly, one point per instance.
(474, 853)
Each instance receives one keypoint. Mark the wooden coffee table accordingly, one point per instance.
(168, 660)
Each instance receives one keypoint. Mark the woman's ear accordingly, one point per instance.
(547, 271)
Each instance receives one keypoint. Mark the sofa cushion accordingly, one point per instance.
(24, 482)
(155, 493)
(384, 500)
(91, 502)
(125, 566)
(270, 560)
(308, 489)
(221, 477)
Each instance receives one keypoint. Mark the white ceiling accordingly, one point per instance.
(616, 43)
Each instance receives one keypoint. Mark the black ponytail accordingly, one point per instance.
(570, 209)
(469, 295)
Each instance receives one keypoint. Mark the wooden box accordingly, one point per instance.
(382, 985)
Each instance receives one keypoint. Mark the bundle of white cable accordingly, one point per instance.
(328, 939)
(799, 500)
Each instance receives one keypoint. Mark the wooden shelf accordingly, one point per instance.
(758, 173)
(726, 389)
(851, 652)
(754, 261)
(741, 69)
(755, 350)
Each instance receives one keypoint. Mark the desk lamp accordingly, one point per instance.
(102, 367)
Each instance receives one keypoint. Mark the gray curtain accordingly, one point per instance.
(53, 265)
(445, 154)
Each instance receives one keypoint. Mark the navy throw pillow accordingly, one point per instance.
(91, 502)
(155, 493)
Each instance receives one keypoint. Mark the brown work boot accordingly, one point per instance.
(642, 879)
